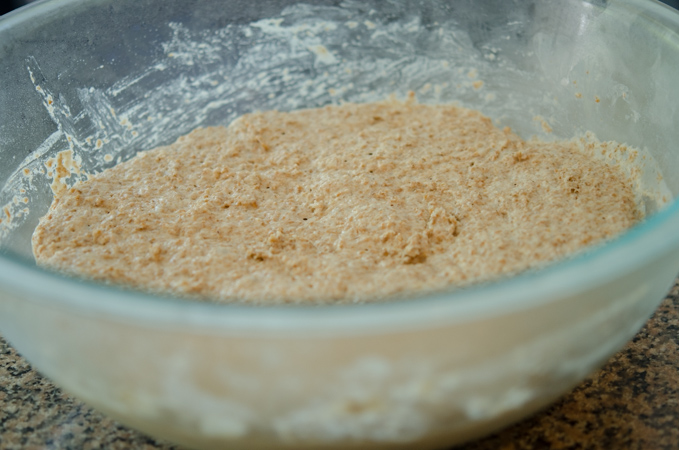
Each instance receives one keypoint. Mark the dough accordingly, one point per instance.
(343, 203)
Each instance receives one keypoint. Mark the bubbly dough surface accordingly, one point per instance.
(344, 203)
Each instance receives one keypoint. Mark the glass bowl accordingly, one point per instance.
(107, 79)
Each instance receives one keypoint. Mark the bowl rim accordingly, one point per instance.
(642, 244)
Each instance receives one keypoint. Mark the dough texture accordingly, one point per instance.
(343, 203)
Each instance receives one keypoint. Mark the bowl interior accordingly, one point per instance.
(106, 86)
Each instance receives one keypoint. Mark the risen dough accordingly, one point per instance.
(351, 202)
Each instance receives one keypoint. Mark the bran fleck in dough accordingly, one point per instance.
(343, 203)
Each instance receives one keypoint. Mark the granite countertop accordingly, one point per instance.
(631, 403)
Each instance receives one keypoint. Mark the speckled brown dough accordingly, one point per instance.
(344, 203)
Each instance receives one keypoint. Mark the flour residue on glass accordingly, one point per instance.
(309, 56)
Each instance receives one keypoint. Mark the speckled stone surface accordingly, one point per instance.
(632, 403)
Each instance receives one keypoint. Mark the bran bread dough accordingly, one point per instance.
(343, 203)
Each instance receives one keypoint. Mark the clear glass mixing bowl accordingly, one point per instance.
(109, 78)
